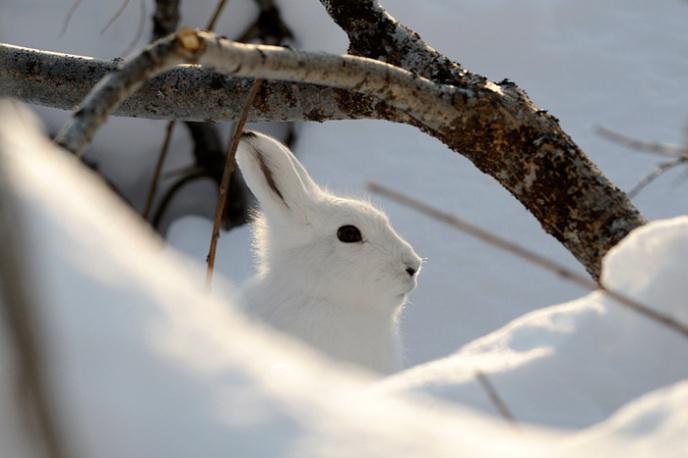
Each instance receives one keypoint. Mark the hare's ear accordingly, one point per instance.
(275, 176)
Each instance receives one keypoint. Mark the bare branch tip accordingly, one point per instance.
(189, 39)
(373, 186)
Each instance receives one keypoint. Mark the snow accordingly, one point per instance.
(145, 374)
(574, 364)
(144, 362)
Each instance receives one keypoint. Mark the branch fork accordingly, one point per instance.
(494, 125)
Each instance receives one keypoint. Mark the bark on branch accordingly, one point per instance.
(187, 93)
(428, 103)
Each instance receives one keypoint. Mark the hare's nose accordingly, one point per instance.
(412, 268)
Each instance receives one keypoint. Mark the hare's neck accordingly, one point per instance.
(298, 292)
(362, 334)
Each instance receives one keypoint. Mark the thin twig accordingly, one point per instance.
(229, 169)
(431, 104)
(170, 193)
(182, 171)
(662, 168)
(116, 16)
(494, 397)
(68, 18)
(212, 22)
(678, 154)
(643, 146)
(165, 19)
(158, 168)
(139, 28)
(152, 191)
(528, 255)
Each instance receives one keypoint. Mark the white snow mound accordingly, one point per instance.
(574, 364)
(142, 362)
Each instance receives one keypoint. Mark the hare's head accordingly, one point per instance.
(331, 248)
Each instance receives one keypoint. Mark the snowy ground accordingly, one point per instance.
(142, 362)
(611, 63)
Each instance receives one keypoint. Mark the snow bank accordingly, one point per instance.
(144, 363)
(574, 364)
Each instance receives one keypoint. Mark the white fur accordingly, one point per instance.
(342, 298)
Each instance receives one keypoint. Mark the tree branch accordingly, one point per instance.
(186, 93)
(431, 104)
(506, 136)
(374, 33)
(115, 87)
(165, 18)
(165, 21)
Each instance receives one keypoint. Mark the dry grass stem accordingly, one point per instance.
(152, 190)
(68, 17)
(647, 147)
(212, 22)
(678, 154)
(139, 29)
(528, 255)
(495, 398)
(656, 173)
(227, 174)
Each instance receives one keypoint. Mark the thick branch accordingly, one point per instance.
(430, 104)
(374, 33)
(165, 18)
(187, 93)
(495, 126)
(506, 136)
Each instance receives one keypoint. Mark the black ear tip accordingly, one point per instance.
(248, 134)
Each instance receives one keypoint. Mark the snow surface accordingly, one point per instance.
(143, 362)
(574, 364)
(143, 373)
(591, 63)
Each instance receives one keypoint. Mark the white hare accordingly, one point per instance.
(331, 270)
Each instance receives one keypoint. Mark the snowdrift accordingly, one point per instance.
(143, 362)
(572, 365)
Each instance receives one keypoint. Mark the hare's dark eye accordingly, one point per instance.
(349, 234)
